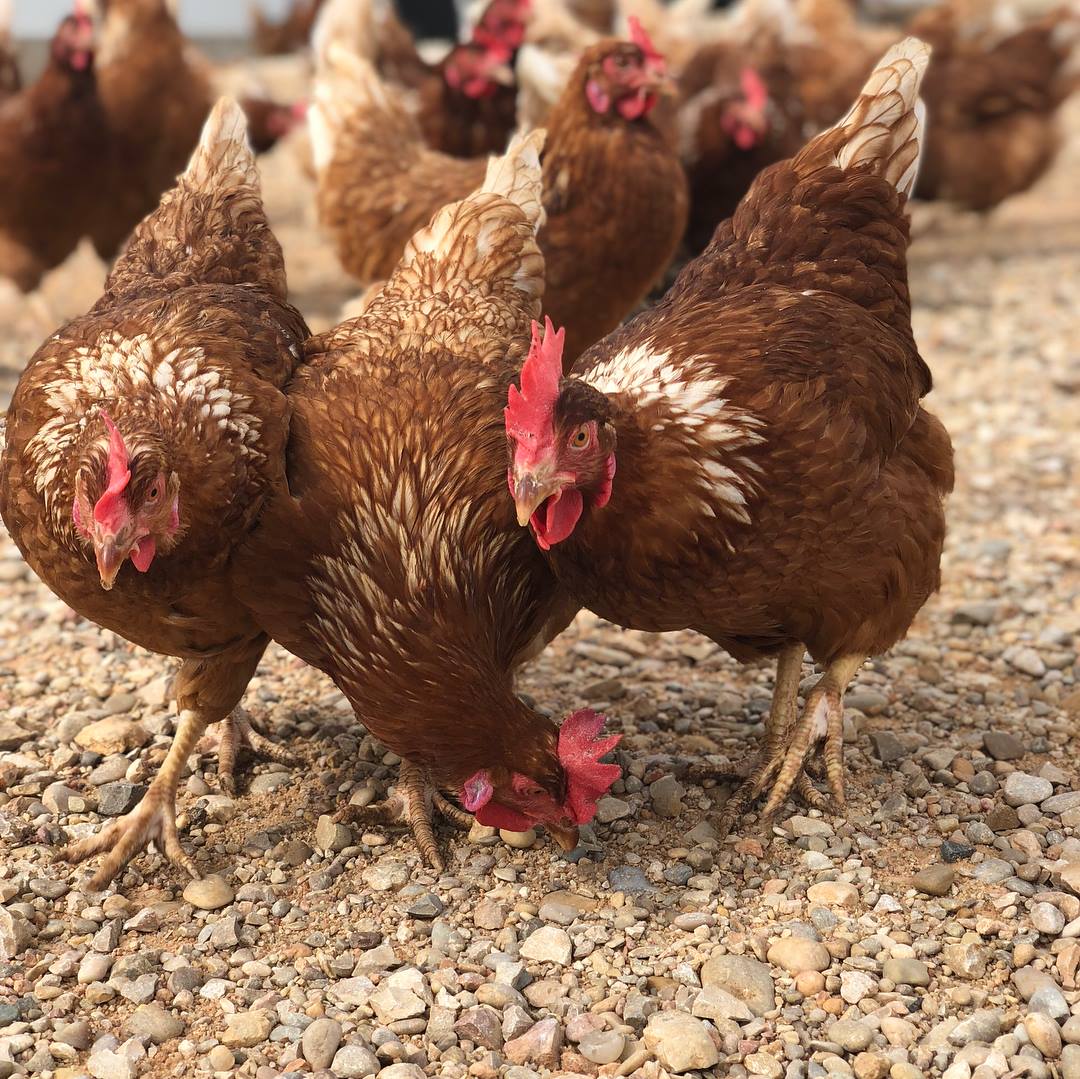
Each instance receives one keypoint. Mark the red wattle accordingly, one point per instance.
(557, 517)
(495, 815)
(143, 553)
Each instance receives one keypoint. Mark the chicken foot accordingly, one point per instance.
(153, 819)
(783, 713)
(236, 731)
(207, 691)
(413, 802)
(823, 717)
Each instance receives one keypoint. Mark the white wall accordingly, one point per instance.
(38, 18)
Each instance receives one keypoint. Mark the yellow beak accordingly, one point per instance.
(531, 491)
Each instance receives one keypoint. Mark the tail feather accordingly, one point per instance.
(516, 175)
(472, 279)
(348, 86)
(885, 127)
(211, 227)
(223, 156)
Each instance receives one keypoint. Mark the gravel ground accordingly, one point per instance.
(932, 931)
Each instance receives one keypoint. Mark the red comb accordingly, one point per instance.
(754, 89)
(580, 750)
(529, 410)
(642, 40)
(106, 508)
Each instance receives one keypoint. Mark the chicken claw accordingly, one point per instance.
(236, 731)
(790, 741)
(412, 802)
(822, 718)
(152, 820)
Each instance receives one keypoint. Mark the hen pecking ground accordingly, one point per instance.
(934, 930)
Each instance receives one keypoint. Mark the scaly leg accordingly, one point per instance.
(153, 819)
(412, 802)
(782, 715)
(237, 731)
(207, 690)
(823, 717)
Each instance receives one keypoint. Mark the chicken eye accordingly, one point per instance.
(581, 438)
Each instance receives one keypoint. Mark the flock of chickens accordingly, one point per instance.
(419, 500)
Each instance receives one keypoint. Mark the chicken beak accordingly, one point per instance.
(664, 85)
(565, 836)
(503, 75)
(531, 491)
(111, 551)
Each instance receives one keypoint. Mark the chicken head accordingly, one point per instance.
(124, 508)
(502, 798)
(627, 77)
(561, 440)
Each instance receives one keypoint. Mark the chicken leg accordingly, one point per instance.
(207, 690)
(413, 802)
(153, 819)
(823, 717)
(782, 715)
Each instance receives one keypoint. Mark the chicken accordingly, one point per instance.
(269, 121)
(737, 114)
(10, 78)
(290, 34)
(614, 191)
(833, 56)
(156, 96)
(392, 561)
(52, 139)
(991, 101)
(466, 104)
(750, 458)
(151, 431)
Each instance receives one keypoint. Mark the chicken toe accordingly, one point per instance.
(412, 802)
(236, 731)
(152, 820)
(822, 718)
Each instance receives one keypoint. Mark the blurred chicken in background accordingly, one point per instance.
(466, 103)
(156, 94)
(53, 140)
(276, 38)
(614, 191)
(10, 79)
(992, 94)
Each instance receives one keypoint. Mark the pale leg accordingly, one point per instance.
(153, 819)
(412, 802)
(782, 715)
(237, 731)
(822, 718)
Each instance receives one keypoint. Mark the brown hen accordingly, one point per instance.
(465, 105)
(614, 192)
(750, 458)
(392, 561)
(52, 141)
(156, 96)
(991, 102)
(145, 438)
